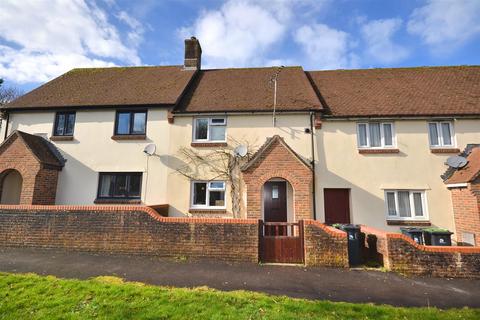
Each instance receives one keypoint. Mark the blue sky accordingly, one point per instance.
(40, 40)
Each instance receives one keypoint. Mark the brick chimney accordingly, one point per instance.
(193, 54)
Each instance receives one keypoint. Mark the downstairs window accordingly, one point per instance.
(208, 194)
(406, 205)
(120, 185)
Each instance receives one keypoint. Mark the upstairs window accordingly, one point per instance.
(406, 204)
(124, 185)
(375, 135)
(208, 194)
(131, 123)
(64, 124)
(441, 134)
(209, 129)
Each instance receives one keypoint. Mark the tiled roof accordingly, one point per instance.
(470, 171)
(421, 91)
(249, 89)
(425, 91)
(45, 152)
(109, 86)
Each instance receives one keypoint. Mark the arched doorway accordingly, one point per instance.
(277, 201)
(11, 187)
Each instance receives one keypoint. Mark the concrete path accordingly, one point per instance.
(294, 281)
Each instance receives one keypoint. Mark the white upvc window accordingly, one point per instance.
(210, 129)
(375, 135)
(406, 205)
(441, 134)
(208, 195)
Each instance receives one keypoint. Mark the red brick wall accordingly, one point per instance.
(402, 254)
(406, 256)
(279, 162)
(39, 184)
(324, 245)
(466, 210)
(128, 229)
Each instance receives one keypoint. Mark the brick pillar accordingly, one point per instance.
(466, 210)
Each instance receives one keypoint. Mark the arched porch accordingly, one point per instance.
(29, 167)
(11, 182)
(275, 161)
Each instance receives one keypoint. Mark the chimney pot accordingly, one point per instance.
(193, 54)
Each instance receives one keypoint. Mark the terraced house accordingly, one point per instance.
(277, 144)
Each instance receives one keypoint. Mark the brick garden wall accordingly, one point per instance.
(402, 254)
(324, 246)
(127, 229)
(406, 256)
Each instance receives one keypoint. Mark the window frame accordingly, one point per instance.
(99, 188)
(210, 123)
(413, 217)
(207, 195)
(382, 135)
(131, 122)
(441, 143)
(56, 121)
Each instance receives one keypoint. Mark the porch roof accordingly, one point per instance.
(44, 151)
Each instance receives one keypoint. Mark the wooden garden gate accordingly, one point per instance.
(281, 242)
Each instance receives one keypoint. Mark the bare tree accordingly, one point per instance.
(8, 94)
(221, 164)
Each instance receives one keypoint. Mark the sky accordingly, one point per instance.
(40, 40)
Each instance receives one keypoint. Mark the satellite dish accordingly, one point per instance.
(241, 151)
(150, 149)
(456, 162)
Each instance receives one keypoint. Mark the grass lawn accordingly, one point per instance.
(29, 296)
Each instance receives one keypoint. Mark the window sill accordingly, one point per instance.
(408, 223)
(377, 151)
(207, 211)
(445, 150)
(117, 201)
(208, 144)
(130, 137)
(61, 138)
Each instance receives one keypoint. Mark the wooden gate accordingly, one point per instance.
(281, 242)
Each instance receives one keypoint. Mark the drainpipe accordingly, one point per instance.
(312, 115)
(6, 126)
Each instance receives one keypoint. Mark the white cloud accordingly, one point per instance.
(325, 47)
(377, 35)
(245, 32)
(46, 38)
(445, 24)
(238, 34)
(24, 66)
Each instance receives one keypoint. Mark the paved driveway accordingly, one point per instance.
(293, 281)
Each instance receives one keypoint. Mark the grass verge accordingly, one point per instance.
(29, 296)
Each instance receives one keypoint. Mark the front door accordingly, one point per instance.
(275, 201)
(337, 205)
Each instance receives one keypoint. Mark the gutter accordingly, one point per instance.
(394, 117)
(314, 191)
(239, 112)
